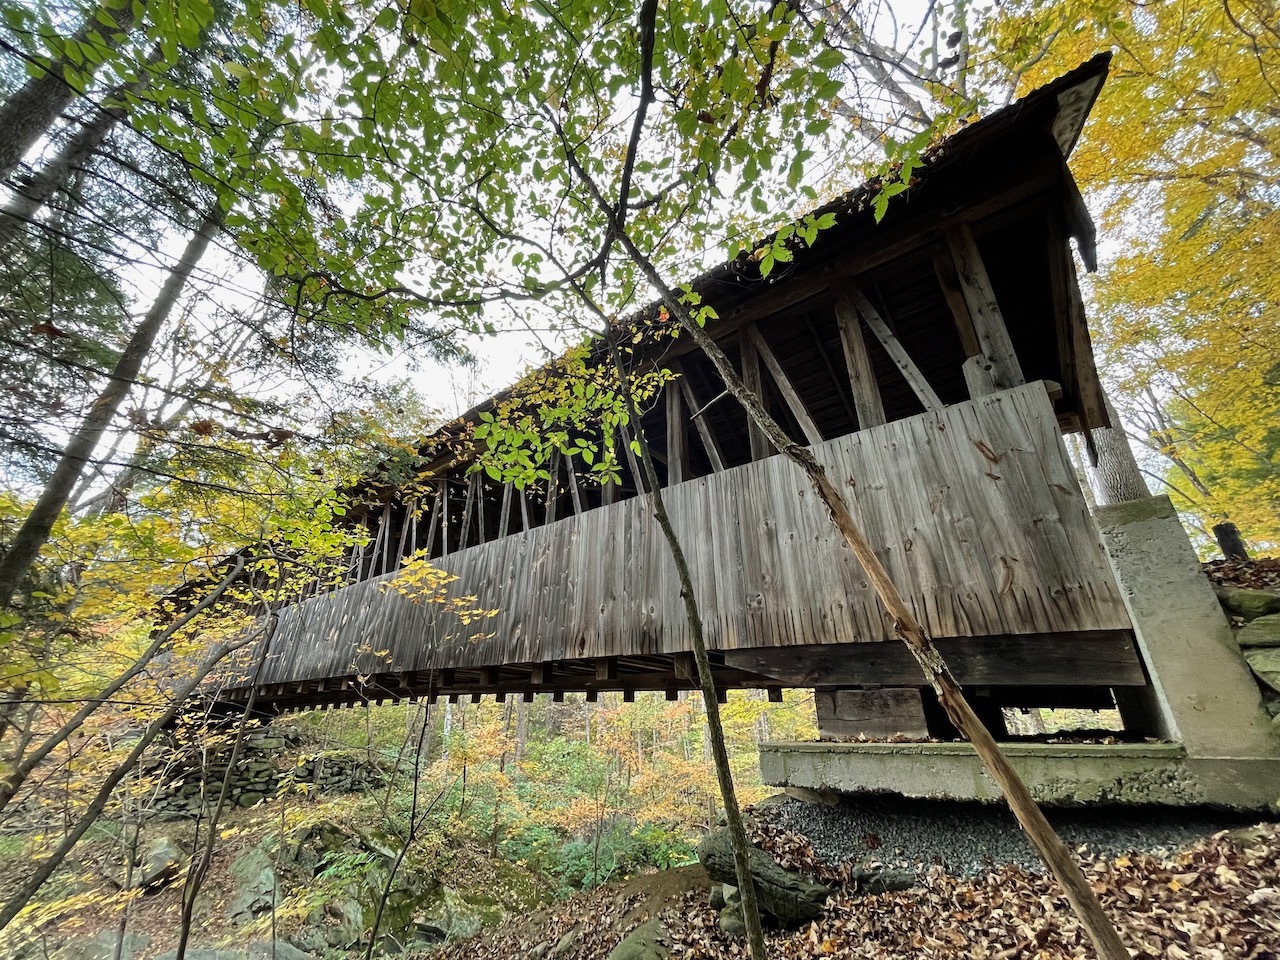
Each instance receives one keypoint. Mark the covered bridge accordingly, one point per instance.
(932, 361)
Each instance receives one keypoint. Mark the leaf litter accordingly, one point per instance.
(1218, 899)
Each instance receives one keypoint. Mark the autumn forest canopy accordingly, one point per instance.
(253, 251)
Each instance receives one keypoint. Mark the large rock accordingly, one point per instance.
(257, 950)
(445, 916)
(1265, 662)
(1263, 632)
(256, 887)
(1248, 604)
(161, 862)
(788, 897)
(649, 941)
(101, 946)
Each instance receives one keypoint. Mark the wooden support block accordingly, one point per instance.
(540, 675)
(592, 696)
(453, 698)
(489, 676)
(527, 696)
(871, 713)
(673, 695)
(722, 695)
(447, 677)
(500, 696)
(988, 320)
(978, 376)
(557, 696)
(775, 694)
(475, 698)
(685, 667)
(628, 696)
(607, 668)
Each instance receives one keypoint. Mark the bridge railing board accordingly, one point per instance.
(976, 508)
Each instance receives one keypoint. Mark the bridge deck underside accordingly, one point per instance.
(975, 510)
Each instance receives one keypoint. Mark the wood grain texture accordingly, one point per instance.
(976, 512)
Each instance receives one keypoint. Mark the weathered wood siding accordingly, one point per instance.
(976, 510)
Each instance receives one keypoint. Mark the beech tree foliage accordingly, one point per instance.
(1179, 164)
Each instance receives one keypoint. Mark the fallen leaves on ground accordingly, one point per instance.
(1216, 900)
(1260, 574)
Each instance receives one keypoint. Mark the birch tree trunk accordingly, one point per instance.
(34, 532)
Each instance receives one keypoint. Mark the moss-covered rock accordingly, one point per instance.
(649, 941)
(1247, 604)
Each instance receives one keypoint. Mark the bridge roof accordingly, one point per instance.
(1007, 137)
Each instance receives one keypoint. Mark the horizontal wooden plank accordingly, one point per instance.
(1101, 659)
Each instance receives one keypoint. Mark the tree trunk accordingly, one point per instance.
(31, 111)
(31, 196)
(1116, 474)
(34, 532)
(693, 615)
(1229, 541)
(1050, 847)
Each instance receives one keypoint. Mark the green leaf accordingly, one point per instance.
(828, 59)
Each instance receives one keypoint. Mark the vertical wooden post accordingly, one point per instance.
(984, 311)
(575, 495)
(867, 402)
(505, 520)
(677, 437)
(752, 380)
(704, 431)
(472, 483)
(553, 493)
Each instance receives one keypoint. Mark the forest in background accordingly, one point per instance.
(212, 208)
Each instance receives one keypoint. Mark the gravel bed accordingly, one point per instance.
(966, 838)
